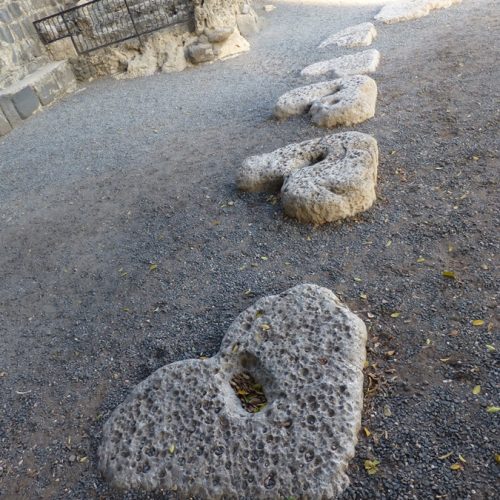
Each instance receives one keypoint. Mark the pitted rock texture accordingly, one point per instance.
(345, 101)
(366, 61)
(321, 180)
(360, 35)
(184, 427)
(411, 9)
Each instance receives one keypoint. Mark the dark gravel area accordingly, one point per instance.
(127, 174)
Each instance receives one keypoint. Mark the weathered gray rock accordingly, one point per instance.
(366, 61)
(360, 35)
(184, 427)
(411, 9)
(321, 180)
(248, 24)
(26, 102)
(218, 35)
(200, 53)
(345, 101)
(5, 126)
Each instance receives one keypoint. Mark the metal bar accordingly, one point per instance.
(69, 31)
(133, 22)
(100, 23)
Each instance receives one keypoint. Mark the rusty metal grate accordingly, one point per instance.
(100, 23)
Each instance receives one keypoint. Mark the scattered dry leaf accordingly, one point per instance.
(476, 390)
(449, 274)
(477, 322)
(371, 466)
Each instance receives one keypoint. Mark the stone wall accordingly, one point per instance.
(21, 51)
(33, 75)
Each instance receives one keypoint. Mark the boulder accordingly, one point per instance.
(366, 61)
(200, 52)
(345, 101)
(247, 23)
(360, 35)
(321, 180)
(218, 35)
(411, 9)
(235, 44)
(274, 414)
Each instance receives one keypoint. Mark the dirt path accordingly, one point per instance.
(132, 173)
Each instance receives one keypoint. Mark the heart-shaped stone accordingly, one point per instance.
(192, 427)
(321, 180)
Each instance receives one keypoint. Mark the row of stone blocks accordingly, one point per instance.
(24, 98)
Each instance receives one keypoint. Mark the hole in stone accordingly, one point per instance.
(248, 383)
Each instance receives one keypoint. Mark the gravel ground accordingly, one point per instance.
(125, 174)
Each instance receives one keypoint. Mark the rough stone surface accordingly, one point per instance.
(184, 428)
(366, 61)
(360, 35)
(345, 101)
(219, 35)
(232, 46)
(247, 23)
(201, 52)
(321, 180)
(5, 126)
(26, 102)
(411, 9)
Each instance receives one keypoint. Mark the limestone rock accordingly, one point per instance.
(366, 61)
(215, 14)
(321, 180)
(235, 44)
(200, 52)
(219, 35)
(360, 35)
(247, 23)
(411, 9)
(345, 101)
(184, 428)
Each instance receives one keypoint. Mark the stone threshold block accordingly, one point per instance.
(363, 62)
(194, 427)
(360, 35)
(411, 9)
(345, 101)
(321, 180)
(40, 88)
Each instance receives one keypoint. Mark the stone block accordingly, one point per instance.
(64, 76)
(6, 35)
(200, 53)
(5, 126)
(247, 24)
(26, 102)
(47, 89)
(5, 16)
(9, 110)
(62, 49)
(15, 9)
